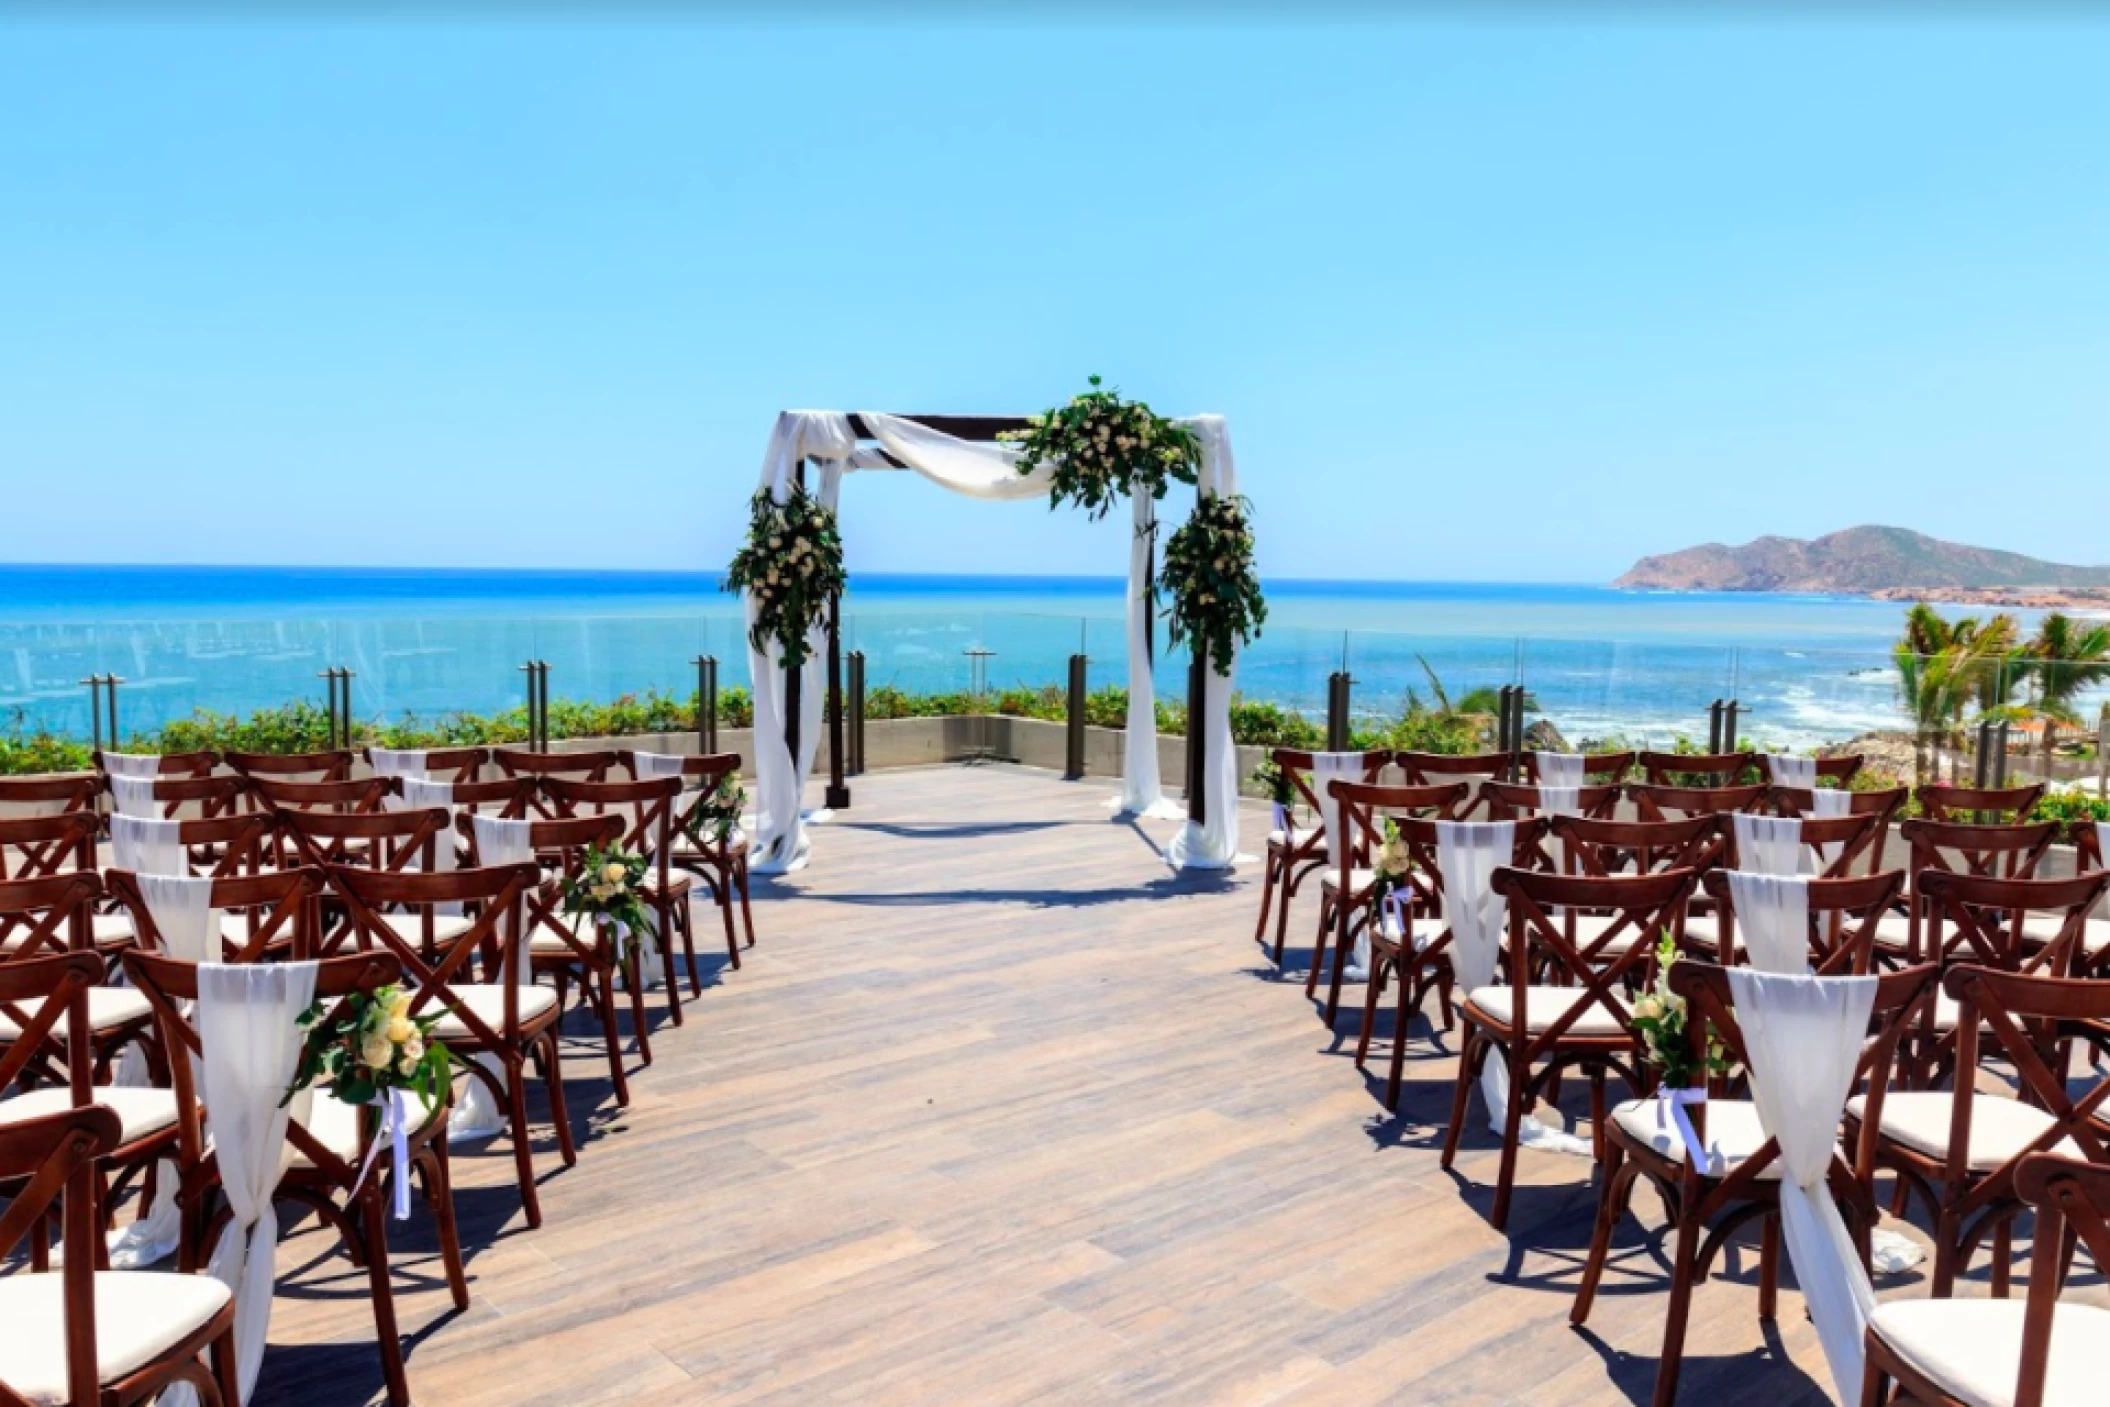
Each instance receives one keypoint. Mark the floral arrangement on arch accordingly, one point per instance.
(1217, 604)
(1660, 1017)
(1100, 448)
(790, 568)
(716, 814)
(607, 889)
(373, 1046)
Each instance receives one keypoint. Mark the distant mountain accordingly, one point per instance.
(1868, 561)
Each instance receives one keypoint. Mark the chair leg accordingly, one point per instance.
(1769, 1267)
(1342, 950)
(439, 1191)
(1512, 1127)
(1267, 897)
(1460, 1095)
(374, 1215)
(1399, 1046)
(1289, 892)
(747, 918)
(226, 1371)
(1318, 946)
(523, 1155)
(616, 1078)
(2004, 1254)
(1682, 1265)
(633, 983)
(1611, 1205)
(1947, 1232)
(553, 1076)
(1371, 991)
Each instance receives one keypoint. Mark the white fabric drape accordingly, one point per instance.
(1141, 789)
(396, 762)
(246, 1015)
(131, 764)
(1826, 801)
(1792, 771)
(148, 845)
(1326, 769)
(1803, 1036)
(2102, 840)
(1213, 845)
(1468, 853)
(1772, 920)
(421, 794)
(134, 795)
(190, 930)
(477, 1114)
(656, 766)
(1562, 769)
(1767, 844)
(972, 467)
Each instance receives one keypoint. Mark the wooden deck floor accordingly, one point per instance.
(1001, 1111)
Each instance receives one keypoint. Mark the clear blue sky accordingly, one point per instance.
(1518, 300)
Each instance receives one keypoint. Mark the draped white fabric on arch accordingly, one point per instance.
(986, 471)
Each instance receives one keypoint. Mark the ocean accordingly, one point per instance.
(1599, 662)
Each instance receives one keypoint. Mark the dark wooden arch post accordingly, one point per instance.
(838, 790)
(794, 689)
(1198, 736)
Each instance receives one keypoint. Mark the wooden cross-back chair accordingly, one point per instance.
(1839, 769)
(1294, 852)
(1714, 770)
(647, 809)
(1710, 1200)
(1429, 769)
(332, 765)
(1511, 801)
(44, 796)
(1606, 768)
(505, 1016)
(54, 915)
(1934, 1351)
(1344, 886)
(1655, 801)
(347, 796)
(1960, 1149)
(1600, 847)
(722, 865)
(1997, 851)
(328, 1141)
(1423, 961)
(198, 763)
(1838, 841)
(506, 797)
(459, 765)
(1961, 805)
(393, 842)
(34, 846)
(569, 948)
(153, 1326)
(592, 765)
(1844, 913)
(266, 915)
(1884, 805)
(1578, 1015)
(187, 796)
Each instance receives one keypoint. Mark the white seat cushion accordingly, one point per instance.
(544, 943)
(1543, 1006)
(1734, 1133)
(1297, 835)
(411, 927)
(1972, 1349)
(488, 1002)
(139, 1315)
(1357, 879)
(108, 1008)
(141, 1112)
(2000, 1128)
(2042, 928)
(1893, 932)
(335, 1125)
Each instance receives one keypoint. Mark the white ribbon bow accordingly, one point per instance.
(1671, 1105)
(395, 1131)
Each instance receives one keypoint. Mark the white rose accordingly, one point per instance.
(414, 1049)
(613, 873)
(377, 1052)
(1647, 1007)
(776, 542)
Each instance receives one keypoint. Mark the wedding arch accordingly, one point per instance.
(963, 453)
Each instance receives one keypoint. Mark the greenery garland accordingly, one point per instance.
(1216, 598)
(791, 567)
(1100, 448)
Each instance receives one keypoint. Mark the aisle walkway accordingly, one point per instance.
(998, 1112)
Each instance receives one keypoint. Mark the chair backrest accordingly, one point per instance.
(505, 797)
(1590, 846)
(2070, 1197)
(439, 962)
(700, 776)
(2088, 848)
(54, 1158)
(1506, 801)
(1610, 767)
(363, 795)
(459, 765)
(31, 846)
(1710, 770)
(1603, 965)
(381, 840)
(647, 809)
(586, 765)
(334, 765)
(1840, 768)
(1426, 879)
(170, 986)
(2008, 852)
(47, 916)
(1839, 840)
(1422, 769)
(278, 910)
(36, 994)
(1365, 806)
(184, 796)
(1945, 801)
(1844, 914)
(176, 764)
(1657, 801)
(1982, 919)
(1296, 764)
(45, 796)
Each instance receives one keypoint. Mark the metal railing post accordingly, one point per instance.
(1730, 710)
(1714, 727)
(1338, 685)
(1073, 722)
(102, 709)
(706, 703)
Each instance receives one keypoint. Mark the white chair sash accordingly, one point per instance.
(1789, 771)
(131, 764)
(423, 794)
(477, 1114)
(2102, 840)
(1326, 769)
(1772, 920)
(1767, 844)
(246, 1015)
(134, 795)
(148, 845)
(183, 912)
(653, 766)
(1559, 799)
(1468, 853)
(396, 762)
(1803, 1036)
(1561, 769)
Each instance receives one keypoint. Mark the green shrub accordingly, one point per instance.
(2073, 810)
(25, 752)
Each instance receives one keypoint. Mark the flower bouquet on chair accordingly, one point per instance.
(1660, 1018)
(370, 1049)
(715, 818)
(1391, 897)
(1281, 794)
(608, 890)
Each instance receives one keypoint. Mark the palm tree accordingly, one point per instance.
(2065, 657)
(1945, 666)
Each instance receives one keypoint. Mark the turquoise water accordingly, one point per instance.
(1599, 661)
